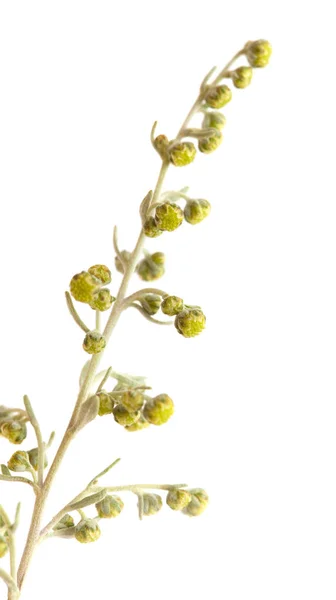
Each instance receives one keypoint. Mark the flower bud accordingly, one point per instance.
(3, 546)
(242, 77)
(197, 505)
(178, 499)
(213, 119)
(159, 409)
(87, 531)
(168, 216)
(152, 503)
(140, 424)
(218, 96)
(182, 154)
(172, 305)
(196, 210)
(14, 431)
(151, 303)
(94, 342)
(123, 416)
(33, 458)
(118, 264)
(102, 300)
(19, 462)
(109, 507)
(161, 144)
(106, 403)
(65, 522)
(211, 143)
(148, 270)
(83, 285)
(258, 53)
(190, 322)
(150, 228)
(132, 400)
(102, 273)
(158, 258)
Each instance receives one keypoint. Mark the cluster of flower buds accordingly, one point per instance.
(22, 461)
(191, 502)
(189, 320)
(89, 287)
(87, 530)
(133, 409)
(169, 216)
(13, 424)
(215, 96)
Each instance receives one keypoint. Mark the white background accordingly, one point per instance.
(81, 84)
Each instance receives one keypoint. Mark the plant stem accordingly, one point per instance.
(117, 309)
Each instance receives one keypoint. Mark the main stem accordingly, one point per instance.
(70, 432)
(43, 492)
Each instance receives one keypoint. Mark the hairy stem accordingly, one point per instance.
(117, 309)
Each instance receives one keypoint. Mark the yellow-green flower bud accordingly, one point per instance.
(214, 119)
(106, 403)
(172, 305)
(19, 462)
(197, 505)
(140, 424)
(159, 409)
(14, 431)
(33, 458)
(109, 507)
(158, 258)
(151, 303)
(123, 416)
(161, 144)
(182, 154)
(102, 272)
(152, 503)
(102, 300)
(83, 286)
(132, 400)
(150, 228)
(190, 322)
(178, 499)
(118, 264)
(65, 522)
(242, 77)
(3, 546)
(196, 210)
(218, 96)
(211, 143)
(168, 216)
(148, 270)
(258, 53)
(94, 342)
(87, 531)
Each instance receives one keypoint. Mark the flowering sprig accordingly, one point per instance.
(129, 401)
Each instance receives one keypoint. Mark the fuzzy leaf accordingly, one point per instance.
(88, 500)
(67, 532)
(88, 412)
(5, 471)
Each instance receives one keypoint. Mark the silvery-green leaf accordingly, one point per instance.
(68, 532)
(5, 471)
(88, 412)
(88, 500)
